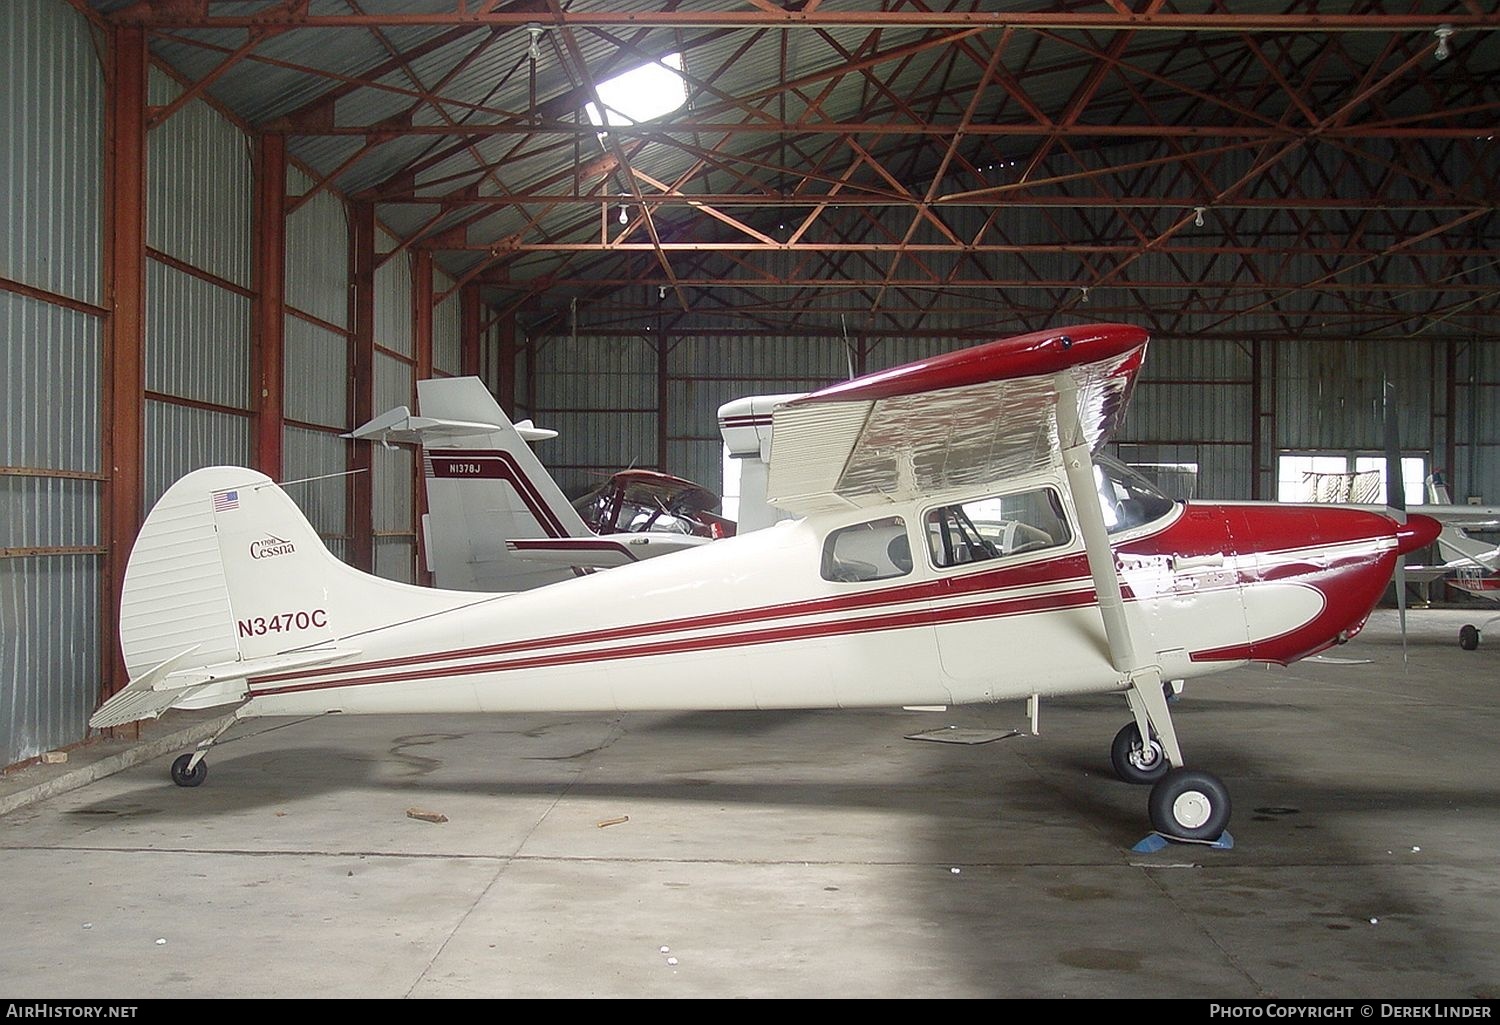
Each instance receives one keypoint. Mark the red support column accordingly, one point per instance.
(505, 390)
(362, 386)
(421, 302)
(469, 331)
(270, 303)
(125, 286)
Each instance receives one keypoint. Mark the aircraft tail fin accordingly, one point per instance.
(227, 580)
(484, 489)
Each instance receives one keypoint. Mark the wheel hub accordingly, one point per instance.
(1145, 758)
(1191, 809)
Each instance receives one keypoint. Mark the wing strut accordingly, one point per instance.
(1147, 700)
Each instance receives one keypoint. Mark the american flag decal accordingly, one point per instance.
(226, 500)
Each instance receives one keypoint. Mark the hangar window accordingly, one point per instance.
(877, 550)
(992, 528)
(1353, 477)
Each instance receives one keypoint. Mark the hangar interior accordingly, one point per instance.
(232, 231)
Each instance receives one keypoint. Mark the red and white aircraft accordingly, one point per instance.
(497, 519)
(957, 543)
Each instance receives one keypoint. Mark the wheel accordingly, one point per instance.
(1190, 805)
(1468, 638)
(1132, 762)
(183, 778)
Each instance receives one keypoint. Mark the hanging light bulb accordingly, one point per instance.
(535, 51)
(1085, 292)
(1198, 219)
(1442, 32)
(624, 217)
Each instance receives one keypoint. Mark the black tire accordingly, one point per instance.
(1468, 637)
(1190, 805)
(1128, 757)
(183, 778)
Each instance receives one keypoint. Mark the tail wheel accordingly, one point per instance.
(183, 778)
(1135, 762)
(1190, 805)
(1468, 637)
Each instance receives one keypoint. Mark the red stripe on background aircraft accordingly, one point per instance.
(946, 511)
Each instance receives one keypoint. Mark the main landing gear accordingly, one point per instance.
(190, 770)
(1184, 804)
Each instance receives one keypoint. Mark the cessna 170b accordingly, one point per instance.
(957, 544)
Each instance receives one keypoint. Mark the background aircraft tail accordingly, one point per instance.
(483, 489)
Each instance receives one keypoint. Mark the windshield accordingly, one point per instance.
(1125, 497)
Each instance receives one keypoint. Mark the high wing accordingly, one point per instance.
(955, 421)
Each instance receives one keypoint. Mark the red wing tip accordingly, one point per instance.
(1039, 352)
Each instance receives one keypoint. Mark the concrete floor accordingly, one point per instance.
(794, 854)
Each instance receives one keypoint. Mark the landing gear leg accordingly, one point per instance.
(1186, 804)
(191, 770)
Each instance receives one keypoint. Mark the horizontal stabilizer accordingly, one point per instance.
(400, 426)
(601, 552)
(167, 686)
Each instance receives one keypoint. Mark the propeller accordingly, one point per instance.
(1395, 500)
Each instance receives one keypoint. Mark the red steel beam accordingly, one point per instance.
(470, 332)
(123, 442)
(362, 385)
(505, 378)
(167, 15)
(269, 249)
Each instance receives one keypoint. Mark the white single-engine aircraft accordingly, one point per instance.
(957, 544)
(497, 519)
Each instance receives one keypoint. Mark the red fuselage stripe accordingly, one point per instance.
(888, 621)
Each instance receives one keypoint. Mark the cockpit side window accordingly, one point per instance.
(997, 527)
(877, 550)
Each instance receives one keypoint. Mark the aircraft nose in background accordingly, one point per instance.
(1417, 532)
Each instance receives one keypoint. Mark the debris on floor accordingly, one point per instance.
(426, 816)
(54, 757)
(614, 821)
(963, 735)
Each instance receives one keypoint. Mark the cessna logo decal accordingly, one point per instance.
(270, 547)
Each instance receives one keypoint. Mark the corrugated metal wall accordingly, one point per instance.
(316, 358)
(198, 212)
(447, 329)
(1195, 402)
(51, 360)
(1476, 466)
(395, 385)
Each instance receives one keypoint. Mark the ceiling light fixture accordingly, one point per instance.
(535, 52)
(1442, 32)
(624, 217)
(1198, 220)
